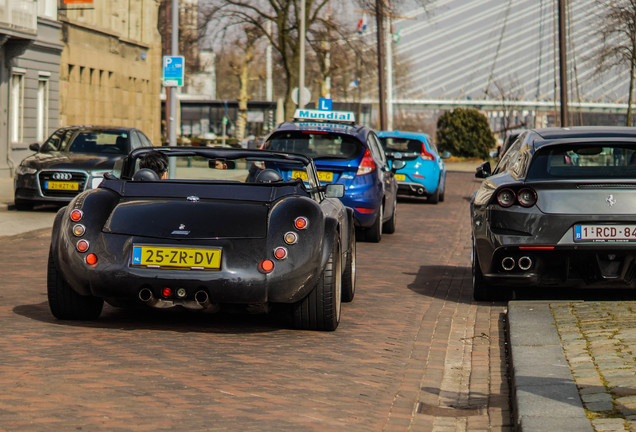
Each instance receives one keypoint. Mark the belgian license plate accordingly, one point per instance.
(325, 176)
(400, 177)
(605, 233)
(57, 185)
(176, 257)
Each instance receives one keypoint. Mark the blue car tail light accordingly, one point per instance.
(425, 154)
(367, 166)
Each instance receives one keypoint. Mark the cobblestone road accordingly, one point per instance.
(413, 352)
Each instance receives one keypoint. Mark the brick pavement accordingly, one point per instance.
(413, 352)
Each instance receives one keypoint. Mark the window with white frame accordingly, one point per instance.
(42, 125)
(16, 105)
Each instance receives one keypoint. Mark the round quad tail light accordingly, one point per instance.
(301, 222)
(79, 230)
(91, 259)
(506, 197)
(266, 266)
(82, 245)
(76, 215)
(280, 253)
(527, 197)
(291, 238)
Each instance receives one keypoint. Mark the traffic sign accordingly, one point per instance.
(173, 71)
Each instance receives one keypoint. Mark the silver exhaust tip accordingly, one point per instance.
(508, 263)
(525, 263)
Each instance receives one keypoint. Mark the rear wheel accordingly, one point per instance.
(22, 204)
(434, 197)
(482, 290)
(374, 232)
(349, 274)
(320, 310)
(64, 302)
(443, 187)
(389, 226)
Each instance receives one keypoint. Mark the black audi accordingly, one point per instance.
(558, 210)
(73, 159)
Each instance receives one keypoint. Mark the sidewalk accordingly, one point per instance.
(6, 192)
(573, 365)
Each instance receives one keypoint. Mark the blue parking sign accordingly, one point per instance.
(173, 71)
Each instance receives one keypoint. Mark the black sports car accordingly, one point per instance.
(559, 210)
(223, 229)
(73, 159)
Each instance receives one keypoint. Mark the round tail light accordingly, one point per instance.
(527, 197)
(280, 253)
(76, 215)
(82, 246)
(301, 222)
(266, 266)
(506, 197)
(91, 259)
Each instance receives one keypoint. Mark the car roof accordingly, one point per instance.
(586, 132)
(358, 131)
(98, 128)
(404, 134)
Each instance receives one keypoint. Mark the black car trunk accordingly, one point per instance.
(181, 219)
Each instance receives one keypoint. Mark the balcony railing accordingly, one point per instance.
(19, 15)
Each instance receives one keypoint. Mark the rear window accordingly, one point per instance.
(316, 145)
(401, 144)
(603, 161)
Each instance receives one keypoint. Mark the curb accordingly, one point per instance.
(544, 394)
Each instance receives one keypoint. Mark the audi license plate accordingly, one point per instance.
(400, 177)
(325, 176)
(176, 257)
(605, 233)
(59, 185)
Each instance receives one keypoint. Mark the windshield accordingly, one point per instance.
(317, 145)
(575, 161)
(99, 142)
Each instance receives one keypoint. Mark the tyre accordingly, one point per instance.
(389, 226)
(22, 204)
(320, 310)
(443, 192)
(482, 290)
(349, 273)
(434, 197)
(374, 232)
(64, 302)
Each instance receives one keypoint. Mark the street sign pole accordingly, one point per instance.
(174, 49)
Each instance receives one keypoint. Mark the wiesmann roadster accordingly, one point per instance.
(558, 210)
(224, 228)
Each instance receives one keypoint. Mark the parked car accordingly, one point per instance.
(425, 171)
(558, 211)
(73, 159)
(224, 229)
(348, 154)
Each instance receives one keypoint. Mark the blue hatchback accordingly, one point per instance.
(348, 154)
(425, 171)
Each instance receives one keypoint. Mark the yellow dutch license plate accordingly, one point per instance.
(400, 177)
(177, 257)
(325, 176)
(55, 185)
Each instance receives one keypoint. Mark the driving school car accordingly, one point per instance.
(224, 229)
(558, 211)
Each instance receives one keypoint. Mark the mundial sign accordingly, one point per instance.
(337, 116)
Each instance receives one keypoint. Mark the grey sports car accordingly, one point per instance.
(558, 210)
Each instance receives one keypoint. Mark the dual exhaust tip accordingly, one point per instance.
(524, 263)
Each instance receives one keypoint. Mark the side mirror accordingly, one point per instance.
(446, 154)
(397, 165)
(34, 147)
(334, 190)
(483, 170)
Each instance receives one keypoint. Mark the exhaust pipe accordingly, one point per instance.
(508, 263)
(145, 295)
(202, 298)
(525, 263)
(420, 191)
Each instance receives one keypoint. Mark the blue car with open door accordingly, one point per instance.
(349, 154)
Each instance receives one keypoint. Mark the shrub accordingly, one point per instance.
(465, 132)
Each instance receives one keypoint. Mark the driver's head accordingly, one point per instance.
(156, 161)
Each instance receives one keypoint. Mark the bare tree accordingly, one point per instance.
(617, 28)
